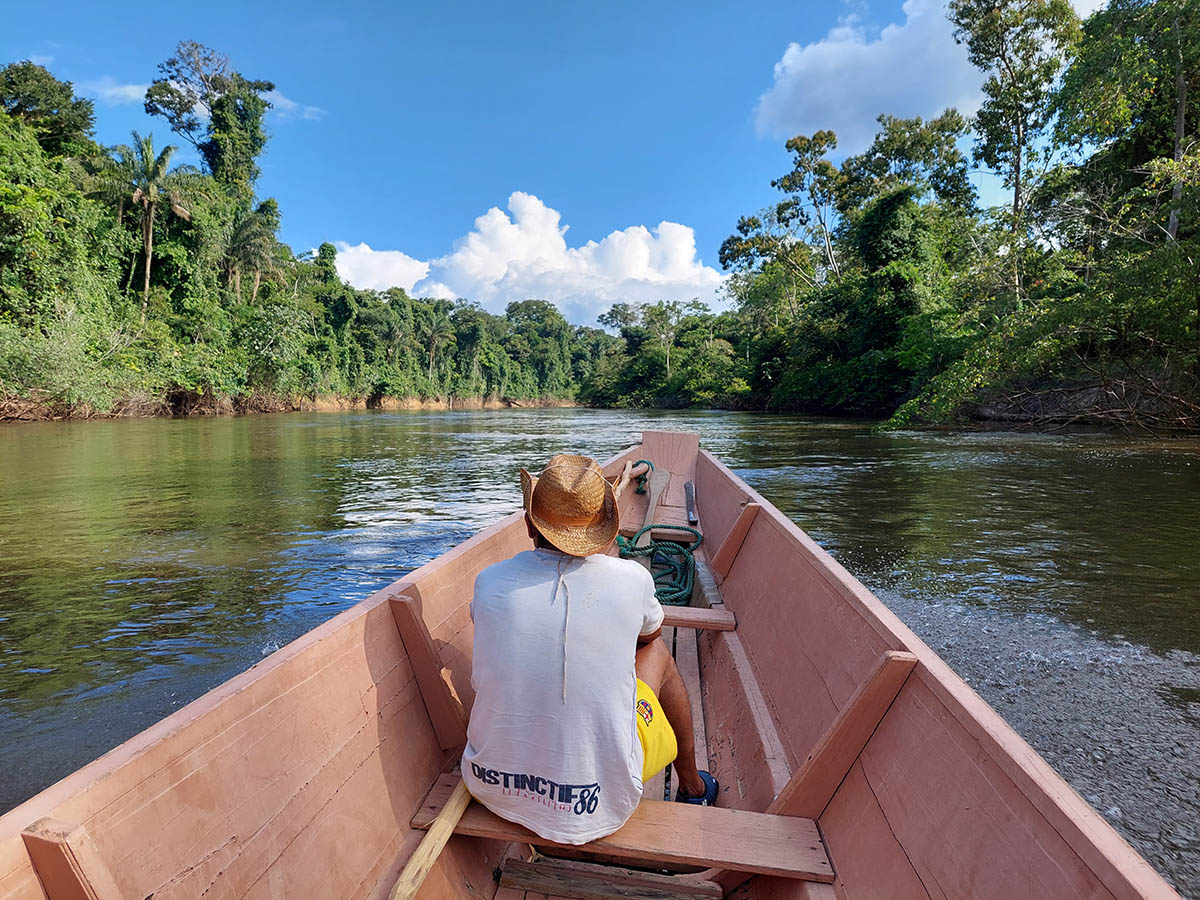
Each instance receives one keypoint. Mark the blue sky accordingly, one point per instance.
(444, 146)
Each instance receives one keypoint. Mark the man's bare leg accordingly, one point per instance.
(655, 666)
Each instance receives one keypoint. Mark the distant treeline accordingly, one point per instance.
(876, 287)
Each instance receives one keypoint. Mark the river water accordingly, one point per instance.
(144, 562)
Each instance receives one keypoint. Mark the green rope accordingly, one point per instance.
(644, 477)
(671, 563)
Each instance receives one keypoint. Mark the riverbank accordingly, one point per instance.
(187, 403)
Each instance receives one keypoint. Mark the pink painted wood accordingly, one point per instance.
(813, 634)
(298, 777)
(445, 711)
(67, 864)
(723, 558)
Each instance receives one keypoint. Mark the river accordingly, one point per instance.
(143, 562)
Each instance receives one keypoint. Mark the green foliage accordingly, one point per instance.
(52, 241)
(61, 122)
(874, 286)
(217, 110)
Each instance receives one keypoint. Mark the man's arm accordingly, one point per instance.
(644, 639)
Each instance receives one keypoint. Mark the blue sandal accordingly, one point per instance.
(709, 798)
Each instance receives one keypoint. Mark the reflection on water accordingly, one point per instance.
(141, 563)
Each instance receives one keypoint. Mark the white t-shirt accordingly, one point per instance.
(552, 742)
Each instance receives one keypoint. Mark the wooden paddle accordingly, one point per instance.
(431, 845)
(659, 479)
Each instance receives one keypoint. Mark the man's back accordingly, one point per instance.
(552, 742)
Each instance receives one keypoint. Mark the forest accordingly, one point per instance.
(877, 285)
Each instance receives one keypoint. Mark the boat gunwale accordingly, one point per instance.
(1098, 846)
(1093, 840)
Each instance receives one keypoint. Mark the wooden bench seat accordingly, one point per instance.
(588, 881)
(658, 831)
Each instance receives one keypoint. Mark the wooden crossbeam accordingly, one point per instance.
(814, 783)
(445, 711)
(67, 862)
(588, 881)
(673, 833)
(699, 617)
(722, 561)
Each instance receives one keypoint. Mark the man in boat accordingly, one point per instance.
(577, 699)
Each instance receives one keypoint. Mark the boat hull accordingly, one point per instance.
(299, 777)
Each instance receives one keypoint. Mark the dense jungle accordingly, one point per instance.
(877, 285)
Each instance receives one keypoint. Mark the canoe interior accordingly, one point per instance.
(299, 777)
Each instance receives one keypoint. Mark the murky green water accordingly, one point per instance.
(141, 563)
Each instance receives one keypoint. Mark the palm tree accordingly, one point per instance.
(435, 329)
(251, 248)
(153, 183)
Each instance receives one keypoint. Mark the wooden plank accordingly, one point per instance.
(431, 845)
(701, 617)
(674, 452)
(445, 712)
(814, 783)
(655, 787)
(659, 479)
(687, 660)
(674, 833)
(588, 881)
(722, 561)
(706, 593)
(811, 787)
(745, 749)
(857, 829)
(67, 863)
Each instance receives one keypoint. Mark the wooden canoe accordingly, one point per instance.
(854, 762)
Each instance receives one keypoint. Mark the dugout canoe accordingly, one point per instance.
(854, 762)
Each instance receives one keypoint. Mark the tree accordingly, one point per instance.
(1135, 80)
(811, 187)
(216, 110)
(62, 122)
(911, 152)
(251, 248)
(1020, 46)
(183, 95)
(435, 329)
(662, 320)
(153, 183)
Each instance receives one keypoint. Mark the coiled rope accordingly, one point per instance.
(672, 563)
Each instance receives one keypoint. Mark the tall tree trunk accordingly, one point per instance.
(148, 243)
(257, 282)
(432, 350)
(1180, 123)
(1018, 161)
(237, 285)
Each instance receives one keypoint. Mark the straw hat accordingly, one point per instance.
(572, 504)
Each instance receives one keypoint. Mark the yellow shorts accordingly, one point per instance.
(659, 747)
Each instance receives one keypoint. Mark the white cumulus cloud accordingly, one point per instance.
(848, 78)
(114, 93)
(378, 270)
(524, 254)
